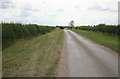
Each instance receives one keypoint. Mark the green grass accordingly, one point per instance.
(37, 57)
(103, 39)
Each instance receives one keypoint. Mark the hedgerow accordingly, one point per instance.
(110, 29)
(15, 31)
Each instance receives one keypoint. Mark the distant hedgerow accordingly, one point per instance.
(110, 29)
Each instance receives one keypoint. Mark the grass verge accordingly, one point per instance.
(37, 57)
(103, 39)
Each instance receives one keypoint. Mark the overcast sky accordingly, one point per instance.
(59, 12)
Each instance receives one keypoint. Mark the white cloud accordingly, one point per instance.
(60, 12)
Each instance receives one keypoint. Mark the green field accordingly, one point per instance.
(37, 57)
(103, 39)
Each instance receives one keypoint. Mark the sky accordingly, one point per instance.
(59, 12)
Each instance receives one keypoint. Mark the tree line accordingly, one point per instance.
(14, 31)
(110, 29)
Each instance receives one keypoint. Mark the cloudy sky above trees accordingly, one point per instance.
(59, 12)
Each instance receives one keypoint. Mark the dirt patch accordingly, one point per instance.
(63, 67)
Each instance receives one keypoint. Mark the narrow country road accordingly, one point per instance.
(88, 59)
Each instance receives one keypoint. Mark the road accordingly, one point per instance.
(88, 59)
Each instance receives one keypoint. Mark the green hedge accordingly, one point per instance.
(111, 29)
(15, 31)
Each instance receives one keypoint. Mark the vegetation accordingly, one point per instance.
(103, 39)
(37, 57)
(110, 29)
(60, 27)
(107, 35)
(14, 31)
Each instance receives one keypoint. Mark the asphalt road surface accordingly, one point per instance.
(88, 59)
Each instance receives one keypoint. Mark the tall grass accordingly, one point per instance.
(14, 31)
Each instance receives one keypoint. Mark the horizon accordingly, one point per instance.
(54, 25)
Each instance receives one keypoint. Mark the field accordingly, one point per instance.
(108, 40)
(35, 57)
